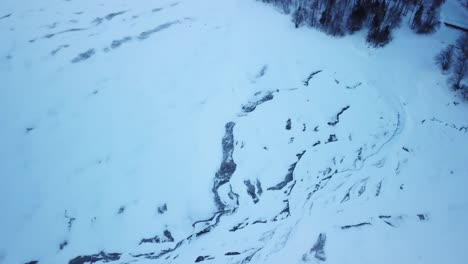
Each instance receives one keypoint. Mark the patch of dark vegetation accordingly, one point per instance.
(117, 43)
(337, 118)
(252, 105)
(101, 256)
(289, 176)
(29, 129)
(405, 149)
(154, 10)
(356, 225)
(156, 239)
(316, 143)
(306, 82)
(146, 34)
(84, 56)
(32, 262)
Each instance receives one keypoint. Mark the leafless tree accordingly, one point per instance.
(461, 61)
(444, 58)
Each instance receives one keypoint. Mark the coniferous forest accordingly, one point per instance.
(378, 17)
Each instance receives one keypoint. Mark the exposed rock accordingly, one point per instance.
(121, 210)
(252, 105)
(162, 209)
(337, 118)
(251, 190)
(84, 56)
(167, 237)
(63, 245)
(318, 247)
(288, 124)
(101, 256)
(356, 225)
(306, 82)
(6, 16)
(331, 138)
(117, 43)
(146, 34)
(289, 176)
(227, 167)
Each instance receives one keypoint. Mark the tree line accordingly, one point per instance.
(378, 17)
(454, 60)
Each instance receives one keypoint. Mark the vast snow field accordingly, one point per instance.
(125, 124)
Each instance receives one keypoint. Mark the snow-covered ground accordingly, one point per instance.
(125, 124)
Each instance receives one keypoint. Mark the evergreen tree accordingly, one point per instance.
(461, 62)
(298, 16)
(357, 17)
(430, 22)
(417, 19)
(444, 58)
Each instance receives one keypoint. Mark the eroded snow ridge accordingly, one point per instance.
(214, 132)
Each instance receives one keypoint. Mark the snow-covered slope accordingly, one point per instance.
(213, 131)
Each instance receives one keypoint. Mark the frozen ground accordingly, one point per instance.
(125, 124)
